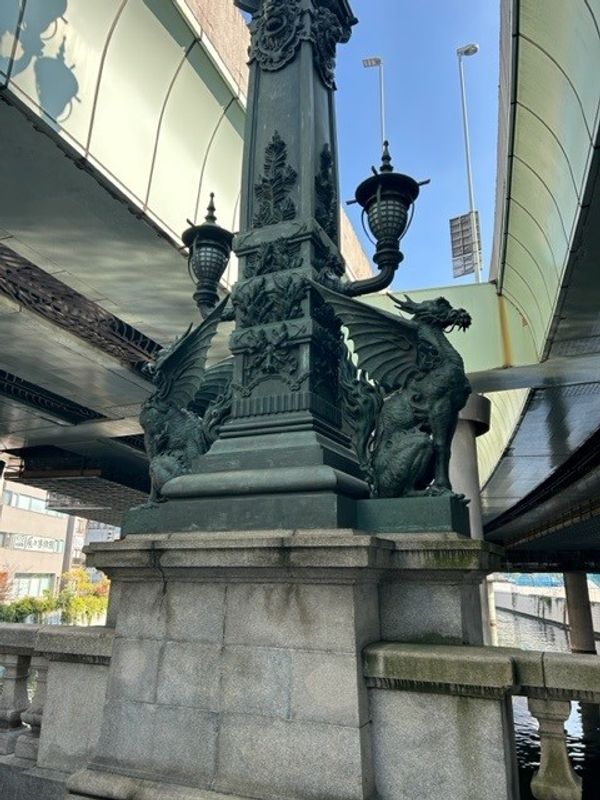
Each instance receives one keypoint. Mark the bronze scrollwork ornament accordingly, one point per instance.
(327, 32)
(279, 28)
(276, 34)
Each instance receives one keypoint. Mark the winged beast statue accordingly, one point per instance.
(403, 401)
(182, 416)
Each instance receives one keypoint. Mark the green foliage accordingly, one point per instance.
(25, 607)
(79, 601)
(80, 598)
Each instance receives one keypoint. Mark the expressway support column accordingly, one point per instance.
(474, 421)
(580, 613)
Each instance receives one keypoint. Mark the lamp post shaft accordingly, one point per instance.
(465, 114)
(382, 101)
(286, 352)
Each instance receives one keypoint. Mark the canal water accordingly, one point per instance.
(583, 726)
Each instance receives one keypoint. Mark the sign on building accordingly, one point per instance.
(23, 541)
(466, 249)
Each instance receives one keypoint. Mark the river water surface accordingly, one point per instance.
(583, 726)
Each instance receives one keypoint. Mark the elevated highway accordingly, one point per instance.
(534, 347)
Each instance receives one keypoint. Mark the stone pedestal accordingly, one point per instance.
(236, 665)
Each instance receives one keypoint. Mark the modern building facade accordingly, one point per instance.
(37, 544)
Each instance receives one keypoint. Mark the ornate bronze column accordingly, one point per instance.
(295, 440)
(286, 348)
(282, 457)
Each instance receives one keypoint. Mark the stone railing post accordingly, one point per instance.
(13, 699)
(555, 779)
(28, 742)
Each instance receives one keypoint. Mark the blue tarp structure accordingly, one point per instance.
(544, 579)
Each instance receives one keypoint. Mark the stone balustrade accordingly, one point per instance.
(17, 646)
(463, 697)
(51, 730)
(441, 715)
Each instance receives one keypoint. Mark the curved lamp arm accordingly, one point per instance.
(375, 284)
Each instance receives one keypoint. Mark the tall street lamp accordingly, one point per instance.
(369, 63)
(469, 50)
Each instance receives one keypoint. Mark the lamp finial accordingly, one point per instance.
(386, 159)
(211, 208)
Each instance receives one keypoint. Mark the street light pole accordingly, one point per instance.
(378, 62)
(469, 50)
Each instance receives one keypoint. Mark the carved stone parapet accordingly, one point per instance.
(13, 699)
(28, 743)
(555, 779)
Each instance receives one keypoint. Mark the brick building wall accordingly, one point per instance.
(225, 28)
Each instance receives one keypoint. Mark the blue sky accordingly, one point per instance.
(418, 41)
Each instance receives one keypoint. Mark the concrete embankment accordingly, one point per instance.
(545, 603)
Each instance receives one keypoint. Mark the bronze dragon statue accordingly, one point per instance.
(403, 401)
(181, 418)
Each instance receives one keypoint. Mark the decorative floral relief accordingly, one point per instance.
(327, 33)
(259, 302)
(272, 192)
(273, 257)
(271, 353)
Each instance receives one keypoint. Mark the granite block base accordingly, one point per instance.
(237, 660)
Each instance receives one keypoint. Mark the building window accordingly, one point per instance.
(32, 585)
(27, 503)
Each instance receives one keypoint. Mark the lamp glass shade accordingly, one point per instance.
(208, 261)
(388, 217)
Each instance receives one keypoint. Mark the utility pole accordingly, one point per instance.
(462, 52)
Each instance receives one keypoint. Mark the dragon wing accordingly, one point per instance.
(213, 384)
(180, 369)
(386, 346)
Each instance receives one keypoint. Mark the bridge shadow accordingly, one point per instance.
(55, 82)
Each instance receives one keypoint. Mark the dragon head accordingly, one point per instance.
(438, 313)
